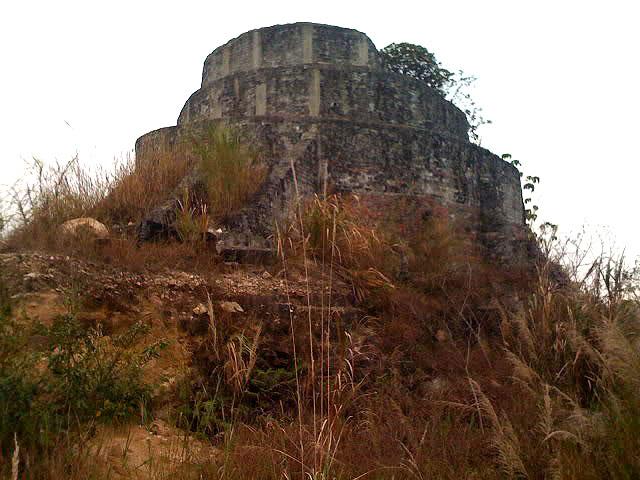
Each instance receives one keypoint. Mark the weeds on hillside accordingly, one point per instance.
(399, 264)
(553, 396)
(50, 196)
(53, 194)
(329, 232)
(543, 384)
(325, 232)
(136, 187)
(591, 393)
(574, 358)
(335, 396)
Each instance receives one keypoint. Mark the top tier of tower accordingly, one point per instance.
(289, 45)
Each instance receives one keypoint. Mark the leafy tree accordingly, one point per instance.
(417, 62)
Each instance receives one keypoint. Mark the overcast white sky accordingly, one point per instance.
(559, 79)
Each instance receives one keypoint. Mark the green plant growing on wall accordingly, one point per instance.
(529, 183)
(417, 62)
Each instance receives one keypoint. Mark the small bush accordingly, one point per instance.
(97, 375)
(19, 383)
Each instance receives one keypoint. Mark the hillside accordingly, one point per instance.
(113, 368)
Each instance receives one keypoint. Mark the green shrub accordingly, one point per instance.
(19, 382)
(76, 375)
(96, 375)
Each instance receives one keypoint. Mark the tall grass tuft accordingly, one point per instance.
(574, 353)
(331, 232)
(135, 187)
(232, 168)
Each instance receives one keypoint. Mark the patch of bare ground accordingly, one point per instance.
(156, 450)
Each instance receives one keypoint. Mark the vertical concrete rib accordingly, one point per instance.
(226, 61)
(363, 52)
(307, 43)
(323, 169)
(257, 49)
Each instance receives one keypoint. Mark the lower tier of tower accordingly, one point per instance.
(384, 165)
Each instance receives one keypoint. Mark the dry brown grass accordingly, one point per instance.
(51, 195)
(127, 254)
(137, 187)
(554, 397)
(331, 232)
(574, 362)
(339, 235)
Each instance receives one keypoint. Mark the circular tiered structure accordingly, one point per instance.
(319, 103)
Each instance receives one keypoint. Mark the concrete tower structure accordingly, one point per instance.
(317, 99)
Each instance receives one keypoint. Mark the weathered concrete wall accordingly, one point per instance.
(157, 141)
(316, 98)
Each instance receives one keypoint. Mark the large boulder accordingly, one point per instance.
(84, 228)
